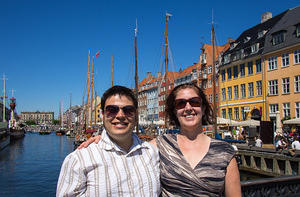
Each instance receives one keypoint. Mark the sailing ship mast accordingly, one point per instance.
(92, 93)
(136, 79)
(88, 95)
(166, 64)
(214, 78)
(112, 71)
(4, 79)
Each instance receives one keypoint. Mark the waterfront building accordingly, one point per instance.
(142, 99)
(281, 59)
(186, 75)
(162, 93)
(205, 71)
(242, 93)
(38, 117)
(152, 100)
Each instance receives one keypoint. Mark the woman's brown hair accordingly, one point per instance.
(170, 104)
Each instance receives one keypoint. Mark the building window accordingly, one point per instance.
(230, 113)
(236, 113)
(297, 83)
(236, 92)
(204, 84)
(286, 110)
(223, 94)
(286, 85)
(254, 48)
(297, 109)
(229, 74)
(273, 108)
(250, 68)
(235, 72)
(285, 60)
(298, 30)
(223, 113)
(258, 66)
(250, 89)
(243, 113)
(272, 63)
(209, 69)
(278, 38)
(223, 75)
(242, 70)
(210, 98)
(258, 88)
(273, 87)
(229, 92)
(243, 90)
(297, 56)
(209, 83)
(226, 58)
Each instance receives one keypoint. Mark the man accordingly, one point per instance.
(120, 164)
(296, 144)
(258, 142)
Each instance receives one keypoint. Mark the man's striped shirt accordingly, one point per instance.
(104, 169)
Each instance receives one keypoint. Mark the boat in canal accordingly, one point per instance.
(4, 135)
(16, 129)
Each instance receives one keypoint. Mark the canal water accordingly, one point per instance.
(30, 167)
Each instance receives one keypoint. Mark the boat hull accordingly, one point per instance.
(16, 134)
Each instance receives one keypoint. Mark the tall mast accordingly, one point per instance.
(214, 77)
(82, 115)
(95, 108)
(4, 79)
(136, 79)
(69, 115)
(166, 64)
(88, 95)
(112, 70)
(92, 93)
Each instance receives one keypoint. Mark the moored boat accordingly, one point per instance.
(4, 135)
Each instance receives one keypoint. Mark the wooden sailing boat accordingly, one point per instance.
(136, 79)
(166, 65)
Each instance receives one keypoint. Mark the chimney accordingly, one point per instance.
(148, 74)
(158, 74)
(265, 16)
(229, 40)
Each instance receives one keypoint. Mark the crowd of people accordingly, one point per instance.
(287, 141)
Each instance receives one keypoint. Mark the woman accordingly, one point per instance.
(191, 163)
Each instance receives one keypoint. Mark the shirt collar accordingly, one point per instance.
(109, 145)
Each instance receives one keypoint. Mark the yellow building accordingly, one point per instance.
(282, 62)
(242, 94)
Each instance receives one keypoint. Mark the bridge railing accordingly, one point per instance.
(273, 187)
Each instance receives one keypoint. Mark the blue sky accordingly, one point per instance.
(44, 44)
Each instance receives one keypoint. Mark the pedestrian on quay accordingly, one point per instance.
(191, 163)
(258, 142)
(296, 143)
(120, 164)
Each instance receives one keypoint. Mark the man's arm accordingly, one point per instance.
(71, 181)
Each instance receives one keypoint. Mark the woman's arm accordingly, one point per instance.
(232, 180)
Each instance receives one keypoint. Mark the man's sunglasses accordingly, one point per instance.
(194, 102)
(113, 110)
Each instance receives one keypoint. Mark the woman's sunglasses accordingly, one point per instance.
(194, 102)
(113, 110)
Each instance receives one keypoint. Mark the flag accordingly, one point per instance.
(97, 54)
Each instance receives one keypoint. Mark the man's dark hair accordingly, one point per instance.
(170, 104)
(121, 91)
